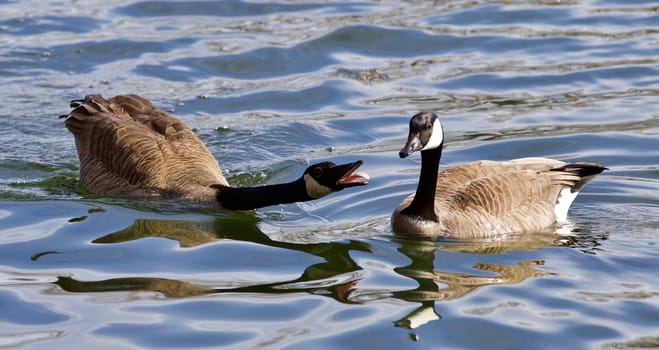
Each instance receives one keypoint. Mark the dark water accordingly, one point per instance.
(273, 86)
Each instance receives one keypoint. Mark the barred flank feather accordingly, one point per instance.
(125, 145)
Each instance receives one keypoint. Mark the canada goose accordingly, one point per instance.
(126, 145)
(484, 198)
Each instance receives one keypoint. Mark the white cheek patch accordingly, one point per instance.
(436, 138)
(315, 189)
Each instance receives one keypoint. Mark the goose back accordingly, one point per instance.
(486, 198)
(125, 145)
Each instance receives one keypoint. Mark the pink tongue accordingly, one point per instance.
(356, 177)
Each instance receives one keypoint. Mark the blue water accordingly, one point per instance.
(271, 87)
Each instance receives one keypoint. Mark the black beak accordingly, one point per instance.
(413, 144)
(347, 177)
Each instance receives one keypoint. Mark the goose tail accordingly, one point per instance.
(82, 109)
(584, 172)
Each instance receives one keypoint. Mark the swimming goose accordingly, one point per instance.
(484, 198)
(126, 145)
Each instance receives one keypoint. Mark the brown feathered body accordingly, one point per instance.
(489, 198)
(126, 145)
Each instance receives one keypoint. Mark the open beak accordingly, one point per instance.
(350, 177)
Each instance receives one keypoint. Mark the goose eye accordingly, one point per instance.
(317, 172)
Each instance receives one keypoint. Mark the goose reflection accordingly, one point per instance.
(339, 275)
(238, 225)
(434, 285)
(333, 277)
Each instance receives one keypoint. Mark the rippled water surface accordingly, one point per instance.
(273, 86)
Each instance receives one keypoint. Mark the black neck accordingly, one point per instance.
(423, 204)
(246, 198)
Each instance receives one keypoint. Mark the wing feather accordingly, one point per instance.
(126, 144)
(484, 198)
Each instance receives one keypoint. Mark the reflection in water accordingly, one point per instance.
(333, 277)
(435, 285)
(167, 287)
(187, 233)
(338, 275)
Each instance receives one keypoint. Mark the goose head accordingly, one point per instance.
(426, 133)
(323, 178)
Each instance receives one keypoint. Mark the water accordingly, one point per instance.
(273, 86)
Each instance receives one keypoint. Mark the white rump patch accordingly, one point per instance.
(563, 203)
(437, 136)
